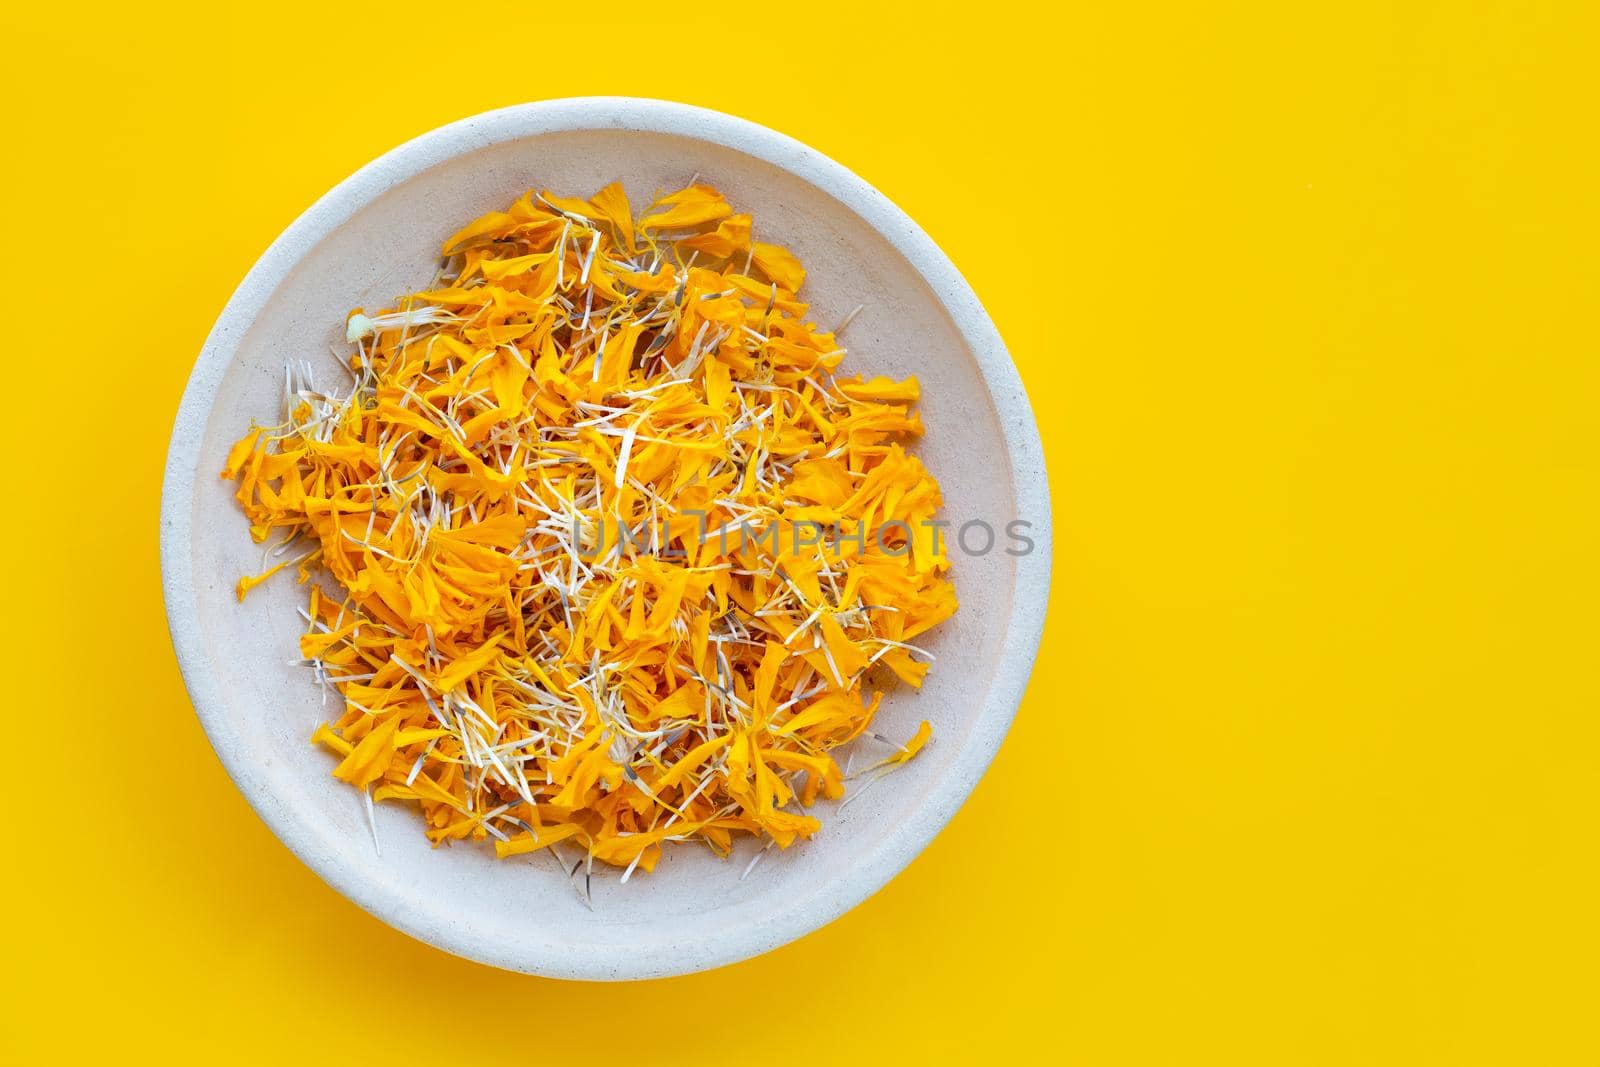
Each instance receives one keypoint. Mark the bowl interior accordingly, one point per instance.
(695, 910)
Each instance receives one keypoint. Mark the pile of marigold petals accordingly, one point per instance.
(514, 662)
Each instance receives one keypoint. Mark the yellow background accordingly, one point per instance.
(1305, 297)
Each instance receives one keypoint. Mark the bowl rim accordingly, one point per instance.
(1025, 458)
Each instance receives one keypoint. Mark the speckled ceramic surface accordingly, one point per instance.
(376, 236)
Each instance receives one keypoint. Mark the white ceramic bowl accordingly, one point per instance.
(376, 236)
